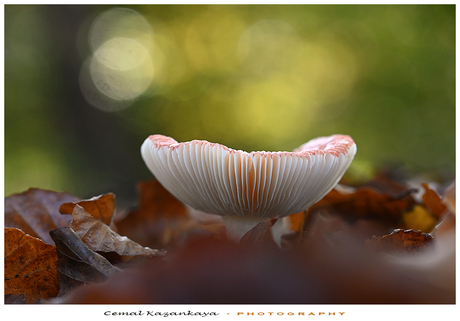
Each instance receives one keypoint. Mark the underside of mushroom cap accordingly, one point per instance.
(219, 180)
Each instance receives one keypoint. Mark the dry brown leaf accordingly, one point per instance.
(400, 241)
(215, 272)
(446, 223)
(365, 202)
(334, 231)
(425, 216)
(99, 237)
(361, 203)
(77, 264)
(30, 266)
(433, 201)
(159, 220)
(101, 207)
(36, 212)
(206, 271)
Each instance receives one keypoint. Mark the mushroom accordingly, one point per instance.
(247, 188)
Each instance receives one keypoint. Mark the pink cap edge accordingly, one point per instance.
(334, 145)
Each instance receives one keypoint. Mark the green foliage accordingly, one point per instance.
(249, 77)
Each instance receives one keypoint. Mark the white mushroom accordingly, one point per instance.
(246, 188)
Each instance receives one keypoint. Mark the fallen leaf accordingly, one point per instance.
(207, 271)
(446, 225)
(296, 221)
(353, 205)
(364, 203)
(335, 230)
(326, 260)
(36, 212)
(30, 266)
(97, 236)
(400, 241)
(160, 219)
(432, 201)
(101, 207)
(419, 218)
(77, 264)
(220, 272)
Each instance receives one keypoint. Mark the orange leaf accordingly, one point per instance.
(36, 212)
(402, 241)
(365, 202)
(101, 207)
(296, 221)
(30, 266)
(159, 220)
(433, 201)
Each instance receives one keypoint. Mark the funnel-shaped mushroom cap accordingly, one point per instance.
(219, 180)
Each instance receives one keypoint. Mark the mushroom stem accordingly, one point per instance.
(237, 226)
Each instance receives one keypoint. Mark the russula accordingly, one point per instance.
(247, 188)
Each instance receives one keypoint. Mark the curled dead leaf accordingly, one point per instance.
(77, 264)
(101, 207)
(30, 266)
(99, 237)
(400, 241)
(432, 201)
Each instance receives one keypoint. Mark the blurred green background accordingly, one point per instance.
(85, 85)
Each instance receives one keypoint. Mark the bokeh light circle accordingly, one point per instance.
(125, 60)
(122, 68)
(120, 22)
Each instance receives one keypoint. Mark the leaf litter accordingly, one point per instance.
(356, 245)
